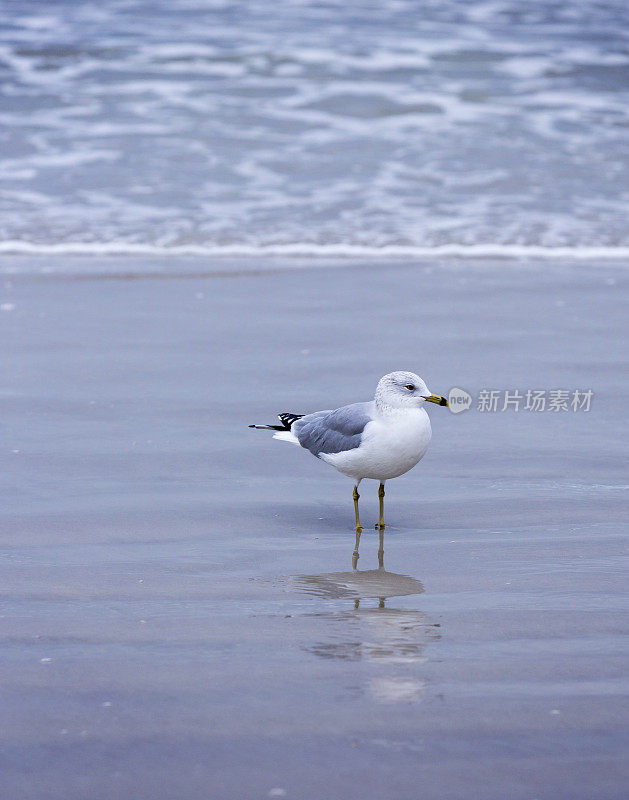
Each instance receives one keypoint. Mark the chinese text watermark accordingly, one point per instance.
(546, 400)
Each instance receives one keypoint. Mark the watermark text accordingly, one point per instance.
(536, 400)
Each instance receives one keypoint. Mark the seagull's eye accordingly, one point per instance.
(410, 387)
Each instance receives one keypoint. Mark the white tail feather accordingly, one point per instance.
(286, 436)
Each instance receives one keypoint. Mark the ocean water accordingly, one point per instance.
(482, 127)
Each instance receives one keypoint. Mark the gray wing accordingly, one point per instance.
(333, 431)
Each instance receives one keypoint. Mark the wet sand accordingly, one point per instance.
(179, 614)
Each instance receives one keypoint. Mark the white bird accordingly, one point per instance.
(380, 439)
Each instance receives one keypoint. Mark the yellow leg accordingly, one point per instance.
(381, 551)
(381, 526)
(359, 527)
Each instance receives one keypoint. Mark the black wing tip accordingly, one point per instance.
(286, 419)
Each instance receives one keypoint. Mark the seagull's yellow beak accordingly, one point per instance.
(435, 398)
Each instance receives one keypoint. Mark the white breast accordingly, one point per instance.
(390, 446)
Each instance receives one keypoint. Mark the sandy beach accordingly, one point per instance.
(179, 614)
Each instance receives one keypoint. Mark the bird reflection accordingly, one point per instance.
(374, 633)
(359, 584)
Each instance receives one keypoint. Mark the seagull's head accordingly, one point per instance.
(405, 390)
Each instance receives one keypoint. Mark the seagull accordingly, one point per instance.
(380, 439)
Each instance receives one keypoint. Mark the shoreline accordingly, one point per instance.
(194, 267)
